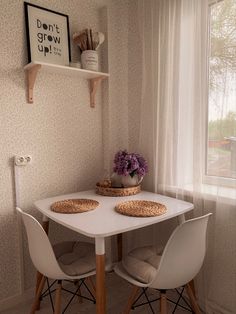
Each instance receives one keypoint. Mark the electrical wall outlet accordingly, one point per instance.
(22, 160)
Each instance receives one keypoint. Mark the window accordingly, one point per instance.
(221, 145)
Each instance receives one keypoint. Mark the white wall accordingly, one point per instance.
(65, 137)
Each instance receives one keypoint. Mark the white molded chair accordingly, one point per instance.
(64, 261)
(179, 263)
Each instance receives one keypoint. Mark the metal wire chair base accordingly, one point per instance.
(149, 302)
(49, 291)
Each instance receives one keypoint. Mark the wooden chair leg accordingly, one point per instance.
(38, 294)
(57, 309)
(92, 285)
(192, 285)
(192, 299)
(39, 276)
(131, 300)
(79, 297)
(163, 302)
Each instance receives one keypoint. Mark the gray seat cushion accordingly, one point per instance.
(75, 258)
(142, 263)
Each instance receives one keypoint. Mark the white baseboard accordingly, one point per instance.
(15, 300)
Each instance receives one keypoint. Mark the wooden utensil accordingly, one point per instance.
(81, 40)
(89, 44)
(101, 37)
(95, 40)
(91, 38)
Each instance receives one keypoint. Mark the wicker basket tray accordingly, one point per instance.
(72, 206)
(107, 191)
(141, 208)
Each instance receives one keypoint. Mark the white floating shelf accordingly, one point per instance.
(94, 77)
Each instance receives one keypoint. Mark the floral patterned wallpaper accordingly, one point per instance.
(71, 144)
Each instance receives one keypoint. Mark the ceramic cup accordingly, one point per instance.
(89, 60)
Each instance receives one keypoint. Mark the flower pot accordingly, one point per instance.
(128, 181)
(116, 180)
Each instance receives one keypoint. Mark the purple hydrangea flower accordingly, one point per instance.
(129, 164)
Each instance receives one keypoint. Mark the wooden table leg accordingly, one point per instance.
(45, 225)
(119, 246)
(181, 219)
(100, 276)
(39, 276)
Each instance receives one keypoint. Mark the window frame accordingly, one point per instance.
(212, 179)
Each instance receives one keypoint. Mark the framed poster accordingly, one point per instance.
(48, 36)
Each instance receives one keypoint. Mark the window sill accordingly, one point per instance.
(212, 191)
(208, 191)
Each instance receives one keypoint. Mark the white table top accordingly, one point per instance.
(104, 221)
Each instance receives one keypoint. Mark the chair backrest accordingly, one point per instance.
(40, 248)
(183, 254)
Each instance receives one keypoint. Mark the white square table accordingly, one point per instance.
(104, 221)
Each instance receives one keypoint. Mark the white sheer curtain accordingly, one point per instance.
(174, 41)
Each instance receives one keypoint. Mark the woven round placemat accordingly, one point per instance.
(72, 206)
(141, 208)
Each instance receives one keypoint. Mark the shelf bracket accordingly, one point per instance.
(94, 83)
(31, 77)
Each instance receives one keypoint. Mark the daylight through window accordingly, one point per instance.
(221, 147)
